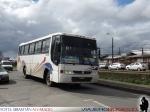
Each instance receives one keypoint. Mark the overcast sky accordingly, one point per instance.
(128, 22)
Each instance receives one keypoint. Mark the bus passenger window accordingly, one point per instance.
(38, 46)
(26, 49)
(22, 50)
(45, 46)
(32, 47)
(19, 50)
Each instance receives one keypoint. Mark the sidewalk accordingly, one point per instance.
(142, 89)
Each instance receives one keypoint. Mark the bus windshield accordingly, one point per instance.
(76, 50)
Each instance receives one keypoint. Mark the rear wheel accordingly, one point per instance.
(25, 73)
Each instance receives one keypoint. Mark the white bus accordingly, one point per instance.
(59, 58)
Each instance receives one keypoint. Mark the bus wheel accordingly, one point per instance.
(48, 81)
(24, 72)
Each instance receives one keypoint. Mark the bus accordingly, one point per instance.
(60, 58)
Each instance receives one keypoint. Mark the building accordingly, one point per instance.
(139, 56)
(116, 58)
(130, 57)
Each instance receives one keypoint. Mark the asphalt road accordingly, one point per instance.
(33, 92)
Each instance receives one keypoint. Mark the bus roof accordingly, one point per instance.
(50, 35)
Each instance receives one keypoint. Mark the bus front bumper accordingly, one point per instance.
(67, 78)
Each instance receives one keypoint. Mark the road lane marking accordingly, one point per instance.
(88, 100)
(101, 104)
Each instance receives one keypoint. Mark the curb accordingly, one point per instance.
(124, 86)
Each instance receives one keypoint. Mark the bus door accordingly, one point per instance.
(55, 57)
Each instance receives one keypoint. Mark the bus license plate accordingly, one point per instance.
(81, 78)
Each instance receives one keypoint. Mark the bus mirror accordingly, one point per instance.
(99, 53)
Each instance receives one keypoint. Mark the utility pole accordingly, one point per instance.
(119, 52)
(112, 50)
(99, 53)
(142, 55)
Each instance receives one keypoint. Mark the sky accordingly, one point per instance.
(124, 2)
(127, 21)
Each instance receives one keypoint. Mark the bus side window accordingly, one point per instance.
(19, 50)
(26, 50)
(22, 50)
(45, 45)
(32, 48)
(38, 46)
(55, 50)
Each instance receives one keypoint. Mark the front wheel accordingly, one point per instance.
(48, 81)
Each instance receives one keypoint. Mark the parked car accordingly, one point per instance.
(103, 65)
(116, 66)
(7, 65)
(137, 66)
(4, 77)
(128, 66)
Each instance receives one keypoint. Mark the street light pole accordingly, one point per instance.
(142, 55)
(112, 52)
(112, 49)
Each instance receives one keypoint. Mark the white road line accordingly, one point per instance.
(101, 104)
(88, 100)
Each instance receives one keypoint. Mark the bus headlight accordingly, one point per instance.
(66, 72)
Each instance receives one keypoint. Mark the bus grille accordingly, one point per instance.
(81, 79)
(82, 72)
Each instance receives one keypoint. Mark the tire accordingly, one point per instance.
(117, 68)
(47, 80)
(25, 74)
(138, 69)
(7, 81)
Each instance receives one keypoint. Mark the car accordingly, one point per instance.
(4, 77)
(103, 65)
(128, 66)
(137, 66)
(6, 64)
(116, 66)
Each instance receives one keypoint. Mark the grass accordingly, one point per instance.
(142, 79)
